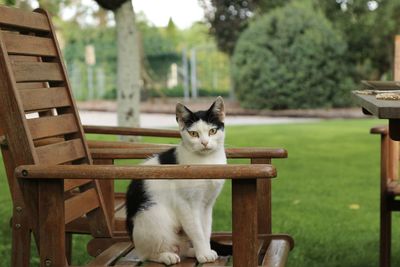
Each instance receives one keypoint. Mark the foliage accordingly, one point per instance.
(110, 4)
(291, 58)
(178, 92)
(369, 28)
(103, 40)
(228, 18)
(159, 48)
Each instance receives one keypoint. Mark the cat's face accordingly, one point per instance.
(202, 131)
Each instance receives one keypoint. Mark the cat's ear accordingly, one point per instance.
(218, 108)
(182, 114)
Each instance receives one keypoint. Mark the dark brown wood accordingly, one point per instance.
(107, 193)
(23, 19)
(231, 171)
(32, 85)
(81, 204)
(277, 254)
(60, 153)
(129, 259)
(20, 145)
(379, 130)
(68, 247)
(221, 261)
(244, 222)
(110, 255)
(385, 212)
(142, 153)
(51, 126)
(394, 129)
(119, 144)
(130, 131)
(20, 44)
(37, 71)
(51, 224)
(44, 98)
(264, 201)
(71, 184)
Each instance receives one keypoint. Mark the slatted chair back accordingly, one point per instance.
(39, 116)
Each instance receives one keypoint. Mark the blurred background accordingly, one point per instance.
(264, 54)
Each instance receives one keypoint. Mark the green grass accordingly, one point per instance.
(331, 165)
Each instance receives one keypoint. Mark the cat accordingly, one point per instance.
(170, 219)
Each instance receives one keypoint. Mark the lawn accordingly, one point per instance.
(326, 194)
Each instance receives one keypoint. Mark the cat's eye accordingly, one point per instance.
(212, 131)
(193, 134)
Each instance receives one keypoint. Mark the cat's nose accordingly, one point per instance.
(204, 143)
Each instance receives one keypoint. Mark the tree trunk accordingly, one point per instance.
(128, 69)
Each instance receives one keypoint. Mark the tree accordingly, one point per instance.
(369, 28)
(128, 58)
(228, 18)
(291, 58)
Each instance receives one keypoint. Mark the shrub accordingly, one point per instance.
(291, 58)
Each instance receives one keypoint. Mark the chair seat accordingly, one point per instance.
(272, 251)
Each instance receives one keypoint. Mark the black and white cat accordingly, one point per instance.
(168, 219)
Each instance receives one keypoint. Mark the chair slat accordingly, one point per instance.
(276, 254)
(79, 205)
(111, 254)
(60, 153)
(221, 261)
(34, 85)
(129, 259)
(37, 71)
(44, 98)
(16, 58)
(74, 183)
(187, 262)
(20, 19)
(51, 126)
(20, 44)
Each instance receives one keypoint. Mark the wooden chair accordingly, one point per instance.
(389, 190)
(389, 175)
(55, 187)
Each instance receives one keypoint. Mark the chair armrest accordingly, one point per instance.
(122, 144)
(111, 172)
(143, 152)
(383, 130)
(130, 131)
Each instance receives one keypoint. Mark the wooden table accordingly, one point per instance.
(383, 109)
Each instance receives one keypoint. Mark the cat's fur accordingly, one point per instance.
(169, 219)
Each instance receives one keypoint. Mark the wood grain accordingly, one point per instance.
(60, 153)
(51, 126)
(80, 204)
(231, 171)
(110, 255)
(18, 18)
(37, 71)
(20, 44)
(244, 222)
(44, 98)
(143, 152)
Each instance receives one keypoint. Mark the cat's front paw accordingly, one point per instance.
(207, 256)
(169, 258)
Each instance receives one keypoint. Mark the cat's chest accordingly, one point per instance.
(218, 157)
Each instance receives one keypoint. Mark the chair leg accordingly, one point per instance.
(68, 247)
(21, 244)
(385, 236)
